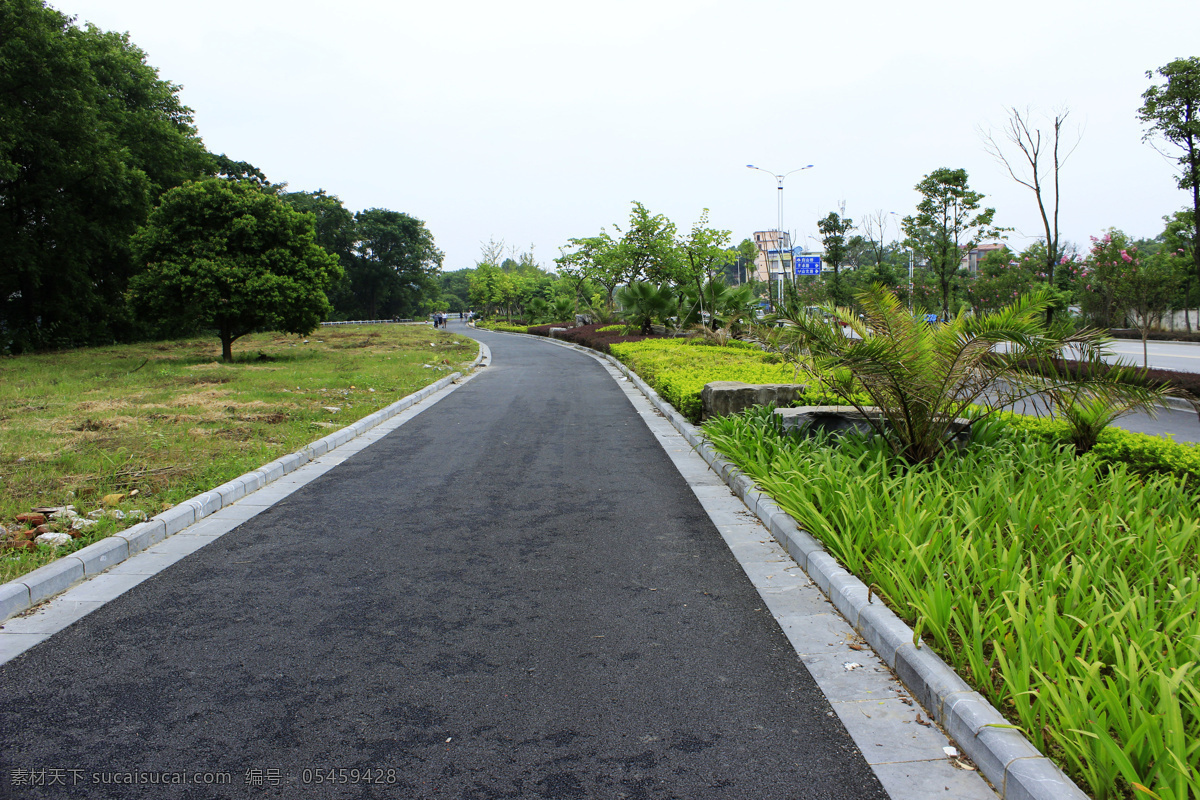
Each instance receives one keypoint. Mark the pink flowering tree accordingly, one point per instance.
(1098, 279)
(1126, 285)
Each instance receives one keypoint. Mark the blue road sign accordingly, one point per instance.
(808, 265)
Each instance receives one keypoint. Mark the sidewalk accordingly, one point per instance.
(515, 592)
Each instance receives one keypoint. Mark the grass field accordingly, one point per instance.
(146, 426)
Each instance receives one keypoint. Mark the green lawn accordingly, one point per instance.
(160, 422)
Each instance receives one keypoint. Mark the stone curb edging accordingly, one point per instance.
(1017, 769)
(58, 576)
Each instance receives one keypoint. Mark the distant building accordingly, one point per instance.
(765, 264)
(972, 257)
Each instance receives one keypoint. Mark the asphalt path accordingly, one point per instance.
(512, 595)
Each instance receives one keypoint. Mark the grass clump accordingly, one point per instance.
(168, 420)
(1064, 588)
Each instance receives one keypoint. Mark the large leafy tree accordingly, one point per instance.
(335, 232)
(395, 266)
(833, 237)
(229, 256)
(1172, 110)
(699, 256)
(89, 138)
(597, 259)
(948, 223)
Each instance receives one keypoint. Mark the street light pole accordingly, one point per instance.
(779, 243)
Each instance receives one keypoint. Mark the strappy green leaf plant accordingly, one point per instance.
(925, 378)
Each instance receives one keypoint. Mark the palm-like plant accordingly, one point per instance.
(923, 378)
(642, 303)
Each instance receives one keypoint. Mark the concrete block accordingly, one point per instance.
(231, 491)
(103, 554)
(928, 677)
(1039, 779)
(14, 598)
(849, 596)
(143, 535)
(823, 568)
(885, 632)
(272, 471)
(207, 503)
(293, 461)
(53, 578)
(177, 518)
(966, 716)
(921, 780)
(253, 481)
(318, 448)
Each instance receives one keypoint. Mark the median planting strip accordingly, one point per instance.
(45, 582)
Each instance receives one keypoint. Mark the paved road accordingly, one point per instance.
(1178, 356)
(512, 595)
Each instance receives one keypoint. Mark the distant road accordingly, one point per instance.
(1178, 356)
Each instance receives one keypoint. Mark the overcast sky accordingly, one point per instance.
(534, 121)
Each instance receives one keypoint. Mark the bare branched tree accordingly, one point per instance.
(875, 228)
(1037, 167)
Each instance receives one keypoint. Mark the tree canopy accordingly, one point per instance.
(946, 225)
(1172, 110)
(90, 136)
(227, 255)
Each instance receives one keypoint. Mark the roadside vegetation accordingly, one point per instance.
(139, 428)
(1062, 587)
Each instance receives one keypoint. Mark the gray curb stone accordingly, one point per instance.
(101, 555)
(58, 576)
(14, 598)
(55, 577)
(1002, 753)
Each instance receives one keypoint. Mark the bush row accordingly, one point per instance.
(1141, 453)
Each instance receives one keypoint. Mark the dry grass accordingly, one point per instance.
(169, 421)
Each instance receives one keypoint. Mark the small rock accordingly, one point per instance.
(52, 510)
(134, 492)
(66, 513)
(40, 529)
(54, 539)
(97, 514)
(137, 514)
(331, 409)
(81, 524)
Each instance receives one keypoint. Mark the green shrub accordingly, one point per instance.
(678, 368)
(1141, 453)
(495, 325)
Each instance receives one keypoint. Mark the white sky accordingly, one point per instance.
(533, 121)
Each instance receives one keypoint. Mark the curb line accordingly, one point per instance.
(58, 576)
(1016, 769)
